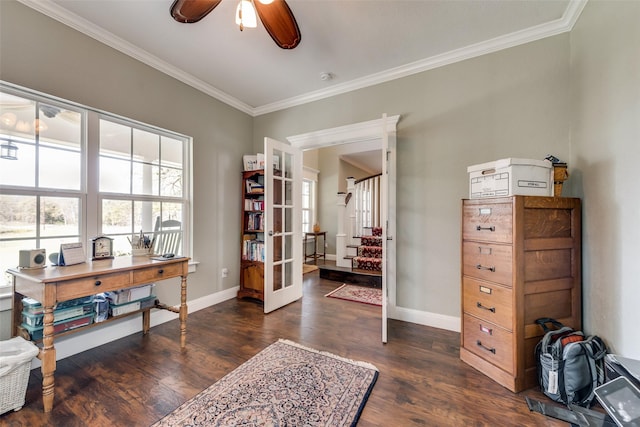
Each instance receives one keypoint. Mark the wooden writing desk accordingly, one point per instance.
(51, 285)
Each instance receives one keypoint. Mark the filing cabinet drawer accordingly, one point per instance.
(488, 301)
(489, 222)
(488, 261)
(489, 341)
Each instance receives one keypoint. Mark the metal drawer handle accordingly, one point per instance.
(98, 283)
(492, 228)
(482, 267)
(486, 330)
(491, 349)
(491, 309)
(160, 271)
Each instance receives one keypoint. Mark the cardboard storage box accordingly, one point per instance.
(510, 177)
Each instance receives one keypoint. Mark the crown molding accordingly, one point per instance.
(559, 26)
(538, 32)
(54, 11)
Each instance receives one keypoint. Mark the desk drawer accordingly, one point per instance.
(71, 289)
(488, 341)
(157, 272)
(487, 261)
(488, 301)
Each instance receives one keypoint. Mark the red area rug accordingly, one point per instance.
(361, 294)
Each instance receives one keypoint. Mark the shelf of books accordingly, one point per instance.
(252, 257)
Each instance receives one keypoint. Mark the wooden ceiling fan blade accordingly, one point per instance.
(189, 11)
(279, 22)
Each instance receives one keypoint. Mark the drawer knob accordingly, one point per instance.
(491, 309)
(492, 228)
(160, 271)
(490, 349)
(482, 267)
(98, 283)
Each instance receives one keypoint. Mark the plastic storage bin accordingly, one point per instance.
(15, 366)
(124, 296)
(120, 309)
(36, 332)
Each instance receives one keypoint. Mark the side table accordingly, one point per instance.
(315, 255)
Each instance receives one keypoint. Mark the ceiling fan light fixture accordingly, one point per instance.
(266, 1)
(246, 15)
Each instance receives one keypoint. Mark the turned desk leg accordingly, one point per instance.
(146, 321)
(183, 312)
(48, 359)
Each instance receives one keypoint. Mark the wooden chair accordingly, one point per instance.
(167, 237)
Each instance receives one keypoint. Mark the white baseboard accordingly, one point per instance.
(84, 340)
(435, 320)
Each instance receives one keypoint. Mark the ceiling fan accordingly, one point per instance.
(275, 15)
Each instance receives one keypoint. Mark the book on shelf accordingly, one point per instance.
(254, 186)
(253, 250)
(253, 205)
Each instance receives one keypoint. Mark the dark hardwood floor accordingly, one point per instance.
(138, 379)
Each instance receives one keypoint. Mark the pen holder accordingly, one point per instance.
(140, 252)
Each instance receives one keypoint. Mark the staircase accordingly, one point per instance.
(368, 255)
(366, 262)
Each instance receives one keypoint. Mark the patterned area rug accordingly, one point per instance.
(361, 294)
(285, 384)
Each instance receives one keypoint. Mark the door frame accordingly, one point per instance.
(369, 131)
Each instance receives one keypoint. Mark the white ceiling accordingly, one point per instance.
(360, 42)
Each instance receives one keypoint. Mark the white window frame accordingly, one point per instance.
(89, 197)
(311, 175)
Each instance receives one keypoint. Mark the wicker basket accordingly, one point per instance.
(15, 366)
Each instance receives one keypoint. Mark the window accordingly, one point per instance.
(50, 193)
(141, 187)
(310, 179)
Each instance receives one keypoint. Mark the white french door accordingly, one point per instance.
(283, 216)
(388, 219)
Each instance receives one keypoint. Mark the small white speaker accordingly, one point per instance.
(33, 258)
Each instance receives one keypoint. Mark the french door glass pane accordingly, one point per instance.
(287, 280)
(277, 248)
(277, 277)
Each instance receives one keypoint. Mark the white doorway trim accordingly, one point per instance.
(357, 132)
(367, 134)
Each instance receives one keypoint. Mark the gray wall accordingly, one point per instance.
(605, 75)
(42, 54)
(514, 103)
(575, 95)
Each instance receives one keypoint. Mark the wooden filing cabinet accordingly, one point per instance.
(521, 259)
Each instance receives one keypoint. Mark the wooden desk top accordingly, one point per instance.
(51, 274)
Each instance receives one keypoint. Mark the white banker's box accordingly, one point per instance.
(510, 177)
